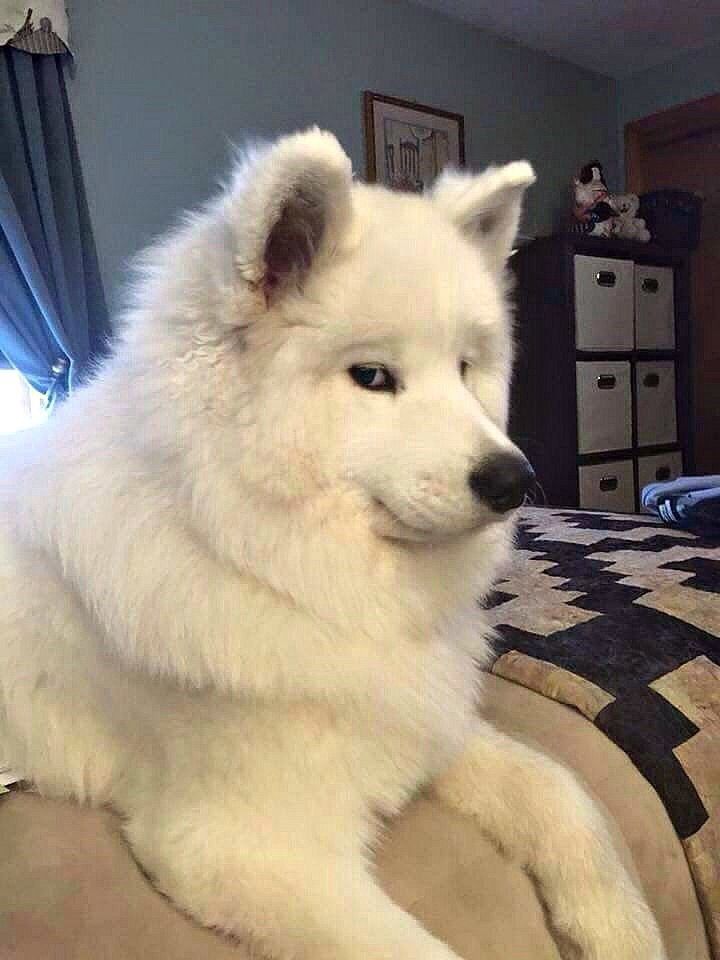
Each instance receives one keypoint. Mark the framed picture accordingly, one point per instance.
(407, 144)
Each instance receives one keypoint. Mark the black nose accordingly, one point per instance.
(502, 481)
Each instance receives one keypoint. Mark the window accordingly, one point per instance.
(20, 405)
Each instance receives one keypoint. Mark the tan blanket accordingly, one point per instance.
(69, 889)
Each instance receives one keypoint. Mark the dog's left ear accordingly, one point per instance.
(289, 205)
(486, 206)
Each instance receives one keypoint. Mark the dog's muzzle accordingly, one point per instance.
(502, 481)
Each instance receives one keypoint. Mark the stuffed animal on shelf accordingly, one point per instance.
(592, 209)
(627, 224)
(599, 213)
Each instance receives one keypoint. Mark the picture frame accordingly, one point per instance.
(407, 144)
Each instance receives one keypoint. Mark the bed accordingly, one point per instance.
(618, 616)
(607, 657)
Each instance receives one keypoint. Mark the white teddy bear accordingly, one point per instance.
(601, 214)
(626, 224)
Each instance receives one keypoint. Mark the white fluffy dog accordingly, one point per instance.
(240, 568)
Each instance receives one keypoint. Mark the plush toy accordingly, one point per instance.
(600, 214)
(592, 208)
(627, 224)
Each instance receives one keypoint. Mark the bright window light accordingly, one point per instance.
(20, 406)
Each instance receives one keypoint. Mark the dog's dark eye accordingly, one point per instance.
(373, 377)
(463, 367)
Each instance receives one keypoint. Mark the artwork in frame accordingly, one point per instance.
(408, 144)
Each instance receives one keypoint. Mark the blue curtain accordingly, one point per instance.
(53, 317)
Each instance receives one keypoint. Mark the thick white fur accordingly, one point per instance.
(238, 596)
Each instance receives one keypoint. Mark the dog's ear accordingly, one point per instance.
(289, 204)
(486, 206)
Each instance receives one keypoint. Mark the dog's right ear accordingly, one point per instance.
(289, 204)
(486, 206)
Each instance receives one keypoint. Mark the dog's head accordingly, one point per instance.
(354, 343)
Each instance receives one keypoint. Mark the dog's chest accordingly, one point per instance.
(415, 731)
(367, 752)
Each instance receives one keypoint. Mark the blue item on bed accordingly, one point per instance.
(691, 502)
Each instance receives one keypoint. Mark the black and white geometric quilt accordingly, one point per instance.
(619, 616)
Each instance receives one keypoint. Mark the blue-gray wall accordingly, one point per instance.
(689, 77)
(160, 86)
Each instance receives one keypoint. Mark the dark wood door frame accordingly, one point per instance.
(678, 148)
(677, 123)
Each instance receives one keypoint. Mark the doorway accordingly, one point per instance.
(680, 148)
